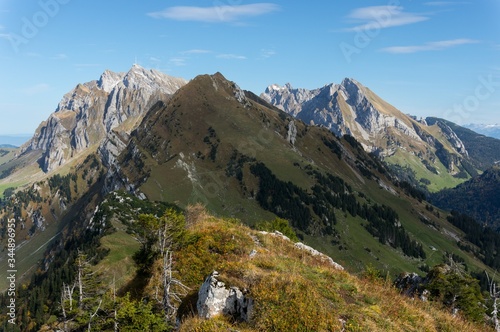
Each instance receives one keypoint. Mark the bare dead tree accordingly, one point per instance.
(79, 278)
(65, 322)
(92, 315)
(494, 296)
(115, 313)
(173, 289)
(67, 296)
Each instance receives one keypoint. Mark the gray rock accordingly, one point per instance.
(409, 284)
(292, 133)
(89, 113)
(315, 252)
(215, 299)
(350, 108)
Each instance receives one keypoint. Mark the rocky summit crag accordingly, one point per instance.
(93, 110)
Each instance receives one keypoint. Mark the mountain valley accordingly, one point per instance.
(337, 167)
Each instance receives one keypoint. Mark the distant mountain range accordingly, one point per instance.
(492, 130)
(13, 140)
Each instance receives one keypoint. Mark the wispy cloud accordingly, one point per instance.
(178, 61)
(154, 59)
(196, 51)
(231, 57)
(215, 14)
(60, 56)
(380, 17)
(265, 53)
(36, 89)
(432, 46)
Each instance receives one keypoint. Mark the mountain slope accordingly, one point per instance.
(483, 150)
(256, 281)
(433, 153)
(479, 198)
(215, 144)
(294, 291)
(61, 171)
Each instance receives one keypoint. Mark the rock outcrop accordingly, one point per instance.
(409, 284)
(315, 252)
(214, 298)
(308, 249)
(89, 113)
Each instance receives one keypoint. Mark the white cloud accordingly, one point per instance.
(267, 53)
(215, 14)
(154, 59)
(178, 61)
(196, 51)
(36, 89)
(432, 46)
(380, 17)
(231, 57)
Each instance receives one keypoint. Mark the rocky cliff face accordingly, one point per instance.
(346, 108)
(87, 116)
(352, 109)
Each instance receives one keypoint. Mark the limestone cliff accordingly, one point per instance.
(353, 109)
(89, 115)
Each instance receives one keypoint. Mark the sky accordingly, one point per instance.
(427, 58)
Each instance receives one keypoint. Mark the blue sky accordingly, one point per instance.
(427, 58)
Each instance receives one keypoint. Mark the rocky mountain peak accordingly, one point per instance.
(109, 80)
(351, 108)
(87, 114)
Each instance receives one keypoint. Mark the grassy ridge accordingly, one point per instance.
(294, 291)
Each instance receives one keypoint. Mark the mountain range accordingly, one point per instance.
(492, 130)
(13, 140)
(431, 148)
(332, 162)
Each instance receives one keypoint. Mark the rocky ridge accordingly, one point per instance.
(352, 109)
(88, 115)
(345, 108)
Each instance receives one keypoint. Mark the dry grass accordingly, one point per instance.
(294, 291)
